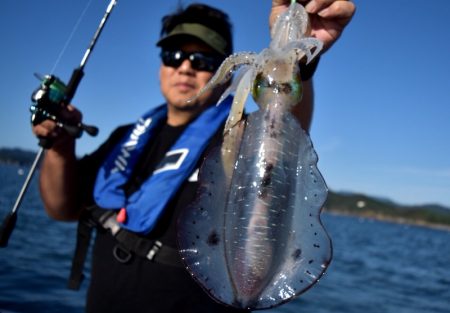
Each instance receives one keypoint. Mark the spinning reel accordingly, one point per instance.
(48, 101)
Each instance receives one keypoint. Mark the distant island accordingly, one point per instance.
(339, 203)
(370, 207)
(16, 156)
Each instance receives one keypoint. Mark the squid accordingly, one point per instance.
(253, 238)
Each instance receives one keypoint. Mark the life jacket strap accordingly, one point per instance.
(84, 234)
(152, 250)
(128, 245)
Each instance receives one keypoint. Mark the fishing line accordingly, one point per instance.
(48, 101)
(69, 39)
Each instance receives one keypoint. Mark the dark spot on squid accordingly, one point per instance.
(315, 234)
(272, 132)
(301, 281)
(267, 178)
(316, 245)
(272, 123)
(310, 261)
(213, 238)
(267, 175)
(197, 236)
(265, 181)
(285, 88)
(262, 193)
(297, 253)
(308, 272)
(193, 222)
(202, 189)
(277, 214)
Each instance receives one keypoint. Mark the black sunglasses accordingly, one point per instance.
(200, 61)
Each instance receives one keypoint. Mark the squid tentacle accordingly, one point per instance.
(234, 85)
(240, 97)
(313, 43)
(225, 71)
(309, 44)
(306, 45)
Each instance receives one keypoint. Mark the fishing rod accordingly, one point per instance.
(48, 101)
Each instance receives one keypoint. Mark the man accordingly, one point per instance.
(138, 169)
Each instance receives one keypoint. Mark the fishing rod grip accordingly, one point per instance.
(72, 86)
(45, 143)
(7, 227)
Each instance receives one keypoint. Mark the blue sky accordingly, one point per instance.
(382, 117)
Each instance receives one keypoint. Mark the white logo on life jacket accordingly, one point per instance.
(121, 162)
(172, 160)
(194, 177)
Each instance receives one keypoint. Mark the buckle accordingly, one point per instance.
(108, 221)
(157, 245)
(121, 254)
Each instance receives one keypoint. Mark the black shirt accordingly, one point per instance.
(140, 285)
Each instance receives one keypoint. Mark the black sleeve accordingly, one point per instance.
(89, 164)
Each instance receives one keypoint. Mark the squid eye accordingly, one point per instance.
(296, 86)
(266, 88)
(260, 85)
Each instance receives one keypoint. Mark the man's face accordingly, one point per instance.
(179, 84)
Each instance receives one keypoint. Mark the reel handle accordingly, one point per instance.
(73, 130)
(77, 130)
(90, 129)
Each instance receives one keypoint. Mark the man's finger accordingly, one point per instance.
(343, 10)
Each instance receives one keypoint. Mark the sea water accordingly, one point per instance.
(376, 267)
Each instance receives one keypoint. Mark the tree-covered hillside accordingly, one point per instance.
(16, 156)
